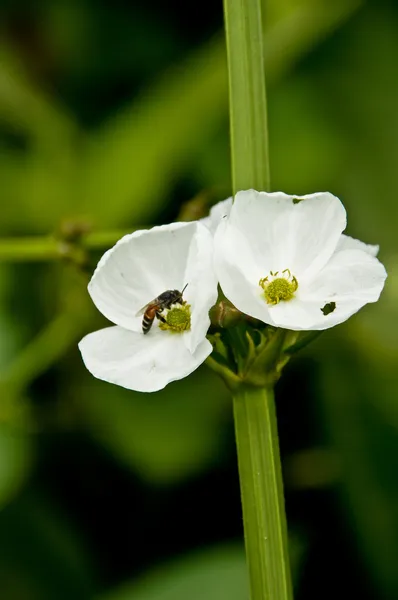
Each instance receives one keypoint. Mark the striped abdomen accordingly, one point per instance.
(148, 317)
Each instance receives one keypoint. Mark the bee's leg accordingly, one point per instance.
(160, 317)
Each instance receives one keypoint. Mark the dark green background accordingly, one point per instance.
(115, 112)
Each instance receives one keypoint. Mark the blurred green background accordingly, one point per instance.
(114, 115)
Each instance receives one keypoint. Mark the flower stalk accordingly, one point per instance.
(254, 408)
(262, 494)
(56, 247)
(247, 97)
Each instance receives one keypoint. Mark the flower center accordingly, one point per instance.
(177, 318)
(279, 286)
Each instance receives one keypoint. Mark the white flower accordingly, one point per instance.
(139, 268)
(283, 260)
(217, 213)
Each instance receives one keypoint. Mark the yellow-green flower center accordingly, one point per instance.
(177, 318)
(279, 286)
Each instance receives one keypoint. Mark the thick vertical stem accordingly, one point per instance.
(254, 408)
(262, 494)
(247, 99)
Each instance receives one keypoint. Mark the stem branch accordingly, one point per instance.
(43, 248)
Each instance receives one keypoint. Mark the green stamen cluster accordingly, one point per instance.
(177, 318)
(280, 288)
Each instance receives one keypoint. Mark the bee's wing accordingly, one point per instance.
(141, 311)
(144, 308)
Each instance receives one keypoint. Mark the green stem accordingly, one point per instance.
(262, 494)
(247, 99)
(254, 408)
(33, 249)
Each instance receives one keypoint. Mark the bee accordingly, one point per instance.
(155, 307)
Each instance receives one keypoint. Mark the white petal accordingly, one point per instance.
(306, 316)
(270, 232)
(348, 243)
(138, 268)
(218, 212)
(201, 292)
(299, 233)
(351, 279)
(349, 273)
(239, 273)
(298, 315)
(145, 363)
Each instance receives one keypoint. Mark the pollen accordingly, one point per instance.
(279, 286)
(177, 319)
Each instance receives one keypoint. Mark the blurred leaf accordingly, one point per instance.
(300, 26)
(40, 557)
(93, 51)
(37, 186)
(15, 460)
(215, 574)
(315, 143)
(54, 339)
(373, 334)
(133, 160)
(28, 109)
(16, 450)
(43, 351)
(218, 573)
(366, 444)
(364, 120)
(167, 436)
(38, 180)
(126, 169)
(12, 329)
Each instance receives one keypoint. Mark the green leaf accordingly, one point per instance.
(25, 107)
(133, 159)
(216, 574)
